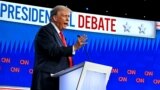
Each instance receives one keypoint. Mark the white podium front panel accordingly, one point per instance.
(69, 81)
(85, 76)
(94, 81)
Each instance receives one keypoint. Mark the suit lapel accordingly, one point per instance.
(55, 33)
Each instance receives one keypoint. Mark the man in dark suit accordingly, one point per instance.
(51, 52)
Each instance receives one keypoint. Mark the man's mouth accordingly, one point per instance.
(66, 24)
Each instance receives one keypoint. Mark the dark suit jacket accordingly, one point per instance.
(50, 54)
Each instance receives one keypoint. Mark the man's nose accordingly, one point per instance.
(67, 19)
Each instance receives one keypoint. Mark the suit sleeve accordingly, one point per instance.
(47, 43)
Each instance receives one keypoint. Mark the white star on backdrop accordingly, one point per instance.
(141, 29)
(126, 27)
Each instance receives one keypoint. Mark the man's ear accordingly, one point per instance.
(54, 18)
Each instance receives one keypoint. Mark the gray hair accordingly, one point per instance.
(57, 8)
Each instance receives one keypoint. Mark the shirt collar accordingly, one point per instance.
(58, 31)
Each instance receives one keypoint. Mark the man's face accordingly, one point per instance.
(62, 19)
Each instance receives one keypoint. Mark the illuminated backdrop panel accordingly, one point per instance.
(133, 56)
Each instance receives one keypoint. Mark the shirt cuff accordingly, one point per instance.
(73, 50)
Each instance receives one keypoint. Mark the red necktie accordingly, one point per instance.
(65, 44)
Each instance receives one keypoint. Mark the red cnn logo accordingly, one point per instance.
(123, 79)
(15, 69)
(5, 60)
(24, 62)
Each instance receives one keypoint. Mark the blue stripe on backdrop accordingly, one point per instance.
(139, 55)
(135, 60)
(16, 53)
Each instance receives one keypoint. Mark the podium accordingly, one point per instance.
(84, 76)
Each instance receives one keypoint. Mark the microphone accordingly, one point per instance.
(87, 55)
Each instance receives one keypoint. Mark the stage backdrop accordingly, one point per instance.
(130, 46)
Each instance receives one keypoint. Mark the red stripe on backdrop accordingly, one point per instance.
(158, 25)
(9, 89)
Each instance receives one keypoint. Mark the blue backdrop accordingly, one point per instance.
(135, 60)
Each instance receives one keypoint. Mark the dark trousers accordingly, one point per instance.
(43, 81)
